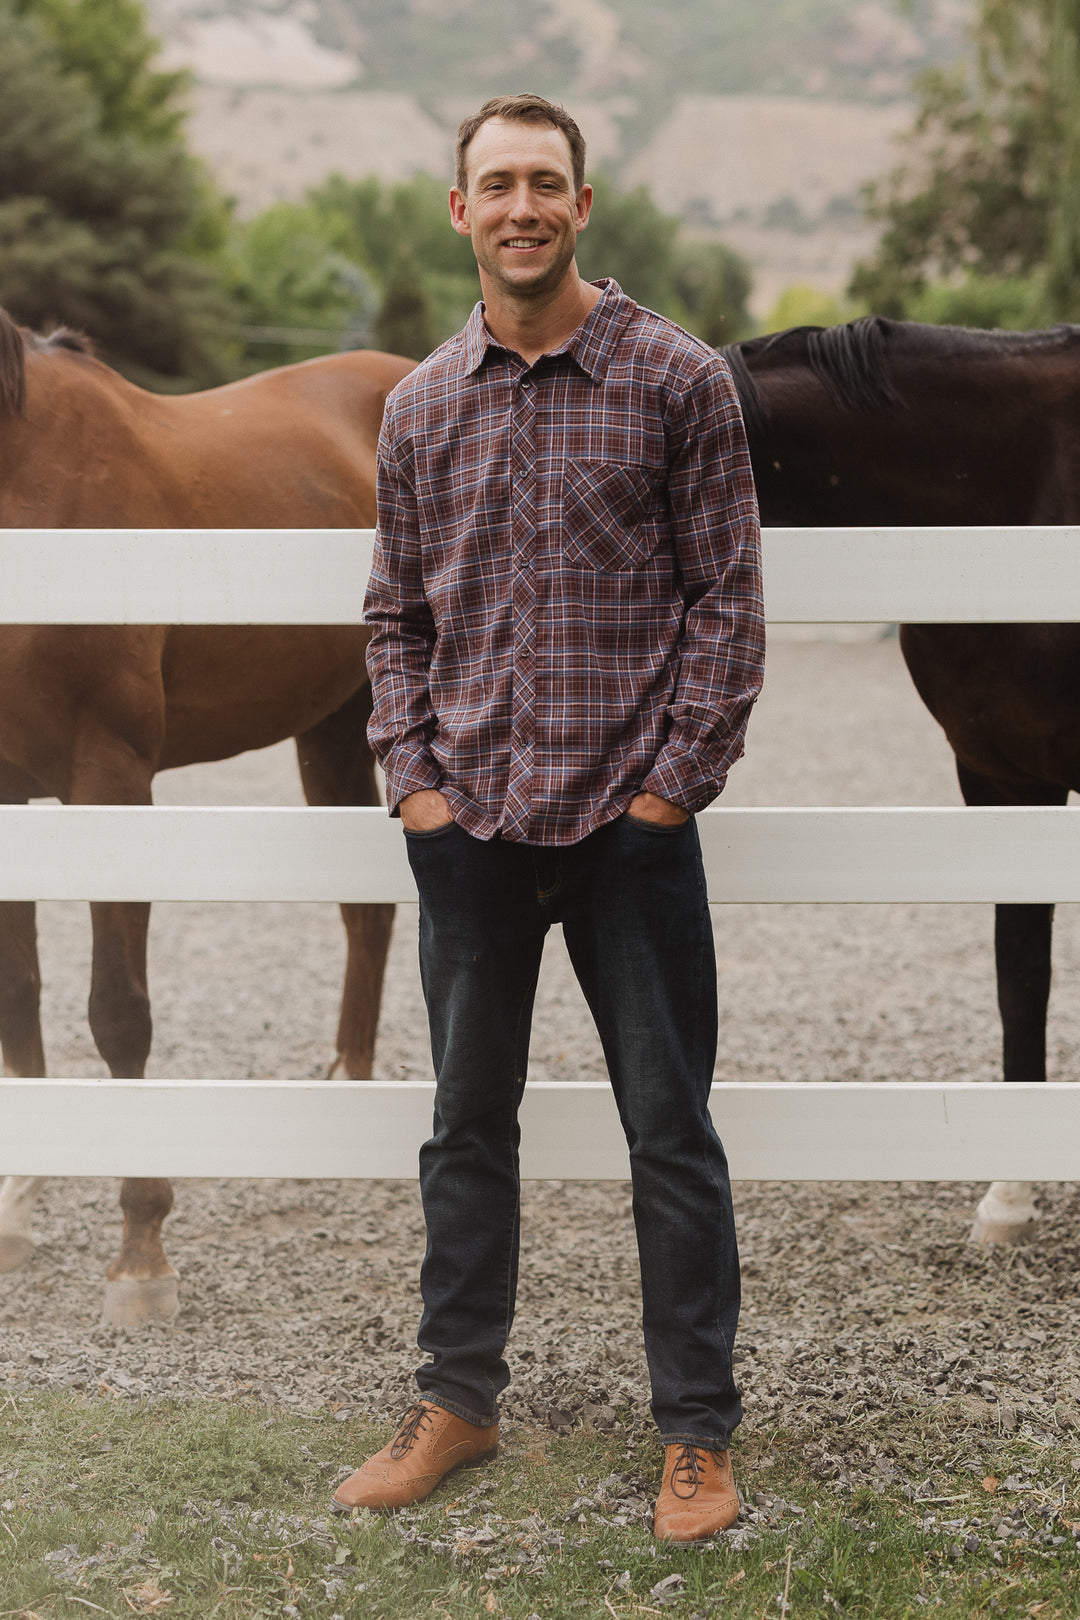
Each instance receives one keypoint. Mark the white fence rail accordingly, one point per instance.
(251, 1128)
(104, 852)
(847, 1131)
(282, 576)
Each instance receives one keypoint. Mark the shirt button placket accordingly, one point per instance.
(523, 528)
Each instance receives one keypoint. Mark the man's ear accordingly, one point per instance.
(459, 212)
(583, 207)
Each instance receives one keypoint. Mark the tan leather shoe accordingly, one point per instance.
(698, 1496)
(428, 1444)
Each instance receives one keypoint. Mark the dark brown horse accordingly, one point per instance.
(90, 714)
(884, 422)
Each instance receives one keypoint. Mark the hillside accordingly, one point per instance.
(645, 51)
(756, 119)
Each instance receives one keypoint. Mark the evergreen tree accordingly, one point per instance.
(373, 223)
(404, 324)
(106, 222)
(107, 42)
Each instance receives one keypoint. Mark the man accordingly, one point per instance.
(566, 642)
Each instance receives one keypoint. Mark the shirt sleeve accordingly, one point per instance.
(403, 721)
(717, 543)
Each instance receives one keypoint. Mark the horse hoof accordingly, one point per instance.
(344, 1068)
(1007, 1214)
(15, 1249)
(1002, 1231)
(132, 1302)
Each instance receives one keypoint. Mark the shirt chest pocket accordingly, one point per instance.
(608, 514)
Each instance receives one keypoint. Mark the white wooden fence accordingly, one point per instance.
(877, 1131)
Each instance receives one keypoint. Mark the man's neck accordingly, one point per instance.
(535, 326)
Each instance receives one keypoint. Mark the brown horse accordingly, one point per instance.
(89, 714)
(885, 422)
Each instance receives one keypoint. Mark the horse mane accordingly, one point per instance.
(62, 337)
(12, 368)
(15, 343)
(852, 361)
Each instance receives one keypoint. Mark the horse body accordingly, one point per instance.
(889, 423)
(89, 714)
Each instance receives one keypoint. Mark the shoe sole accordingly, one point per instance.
(470, 1462)
(692, 1541)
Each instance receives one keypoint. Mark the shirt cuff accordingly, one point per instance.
(682, 777)
(409, 770)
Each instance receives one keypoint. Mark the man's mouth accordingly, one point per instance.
(524, 242)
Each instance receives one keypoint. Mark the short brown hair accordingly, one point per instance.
(522, 109)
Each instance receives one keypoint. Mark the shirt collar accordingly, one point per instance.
(590, 345)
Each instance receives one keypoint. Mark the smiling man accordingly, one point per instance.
(566, 643)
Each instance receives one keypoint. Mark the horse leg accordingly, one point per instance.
(24, 1058)
(18, 1195)
(141, 1286)
(338, 768)
(1007, 1213)
(1022, 949)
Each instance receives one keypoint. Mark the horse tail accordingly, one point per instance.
(12, 368)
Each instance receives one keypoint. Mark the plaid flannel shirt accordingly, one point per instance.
(565, 601)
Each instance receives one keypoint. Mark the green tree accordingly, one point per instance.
(712, 284)
(291, 280)
(405, 323)
(375, 223)
(107, 42)
(702, 285)
(803, 305)
(985, 216)
(629, 238)
(102, 228)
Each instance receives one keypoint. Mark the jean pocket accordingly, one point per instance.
(664, 828)
(608, 522)
(427, 833)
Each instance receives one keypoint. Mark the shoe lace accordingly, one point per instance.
(687, 1472)
(410, 1428)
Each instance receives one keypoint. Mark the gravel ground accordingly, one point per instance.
(860, 1299)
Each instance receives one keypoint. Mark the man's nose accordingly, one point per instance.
(523, 203)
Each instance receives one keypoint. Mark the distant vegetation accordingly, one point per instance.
(982, 224)
(108, 224)
(650, 54)
(381, 262)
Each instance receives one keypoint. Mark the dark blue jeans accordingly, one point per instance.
(631, 899)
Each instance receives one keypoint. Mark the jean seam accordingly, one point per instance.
(543, 895)
(518, 1070)
(709, 1170)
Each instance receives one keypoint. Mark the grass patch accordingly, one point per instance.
(218, 1512)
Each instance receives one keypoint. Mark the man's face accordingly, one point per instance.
(520, 207)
